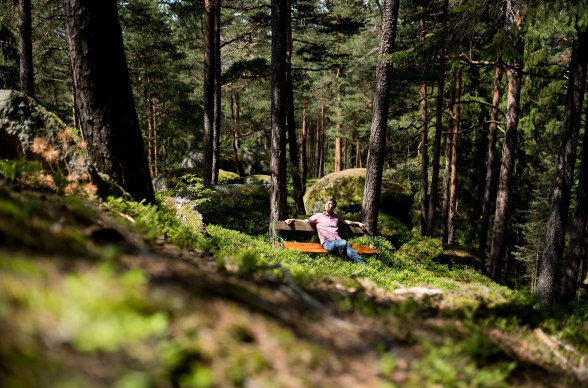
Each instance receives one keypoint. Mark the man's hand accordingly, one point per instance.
(362, 226)
(289, 221)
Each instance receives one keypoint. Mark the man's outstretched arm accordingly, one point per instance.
(290, 220)
(362, 226)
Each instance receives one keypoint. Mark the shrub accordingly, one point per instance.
(244, 209)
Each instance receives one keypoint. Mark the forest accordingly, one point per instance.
(148, 149)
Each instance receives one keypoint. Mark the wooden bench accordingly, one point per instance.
(306, 247)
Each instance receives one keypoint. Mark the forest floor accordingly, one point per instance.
(86, 301)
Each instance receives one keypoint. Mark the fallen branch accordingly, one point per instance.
(580, 371)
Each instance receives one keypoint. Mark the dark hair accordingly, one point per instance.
(332, 200)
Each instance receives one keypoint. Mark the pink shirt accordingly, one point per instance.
(327, 226)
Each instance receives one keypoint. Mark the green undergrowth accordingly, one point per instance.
(97, 324)
(408, 266)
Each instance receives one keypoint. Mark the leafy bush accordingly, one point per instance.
(245, 209)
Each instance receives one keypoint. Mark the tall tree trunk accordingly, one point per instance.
(292, 135)
(485, 217)
(452, 211)
(235, 112)
(106, 107)
(152, 134)
(424, 141)
(448, 149)
(548, 284)
(338, 148)
(304, 161)
(377, 143)
(320, 146)
(574, 270)
(279, 99)
(25, 46)
(216, 132)
(514, 74)
(209, 88)
(433, 192)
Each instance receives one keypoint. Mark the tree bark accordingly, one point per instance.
(433, 191)
(379, 126)
(514, 74)
(25, 45)
(303, 140)
(485, 217)
(152, 134)
(108, 118)
(448, 149)
(235, 112)
(452, 211)
(548, 284)
(216, 132)
(574, 270)
(209, 88)
(292, 135)
(424, 142)
(278, 208)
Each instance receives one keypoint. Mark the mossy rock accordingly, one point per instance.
(258, 179)
(347, 188)
(177, 178)
(228, 177)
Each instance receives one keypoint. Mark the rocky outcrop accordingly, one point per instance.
(28, 130)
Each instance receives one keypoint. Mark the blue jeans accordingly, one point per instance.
(344, 250)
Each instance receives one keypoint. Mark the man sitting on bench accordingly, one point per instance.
(327, 227)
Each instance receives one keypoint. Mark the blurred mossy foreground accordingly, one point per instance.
(115, 293)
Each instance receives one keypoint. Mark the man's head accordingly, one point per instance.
(330, 205)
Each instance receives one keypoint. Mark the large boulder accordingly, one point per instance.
(28, 130)
(347, 188)
(254, 160)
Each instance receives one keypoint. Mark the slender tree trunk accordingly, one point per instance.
(548, 285)
(304, 161)
(152, 135)
(292, 135)
(106, 107)
(209, 88)
(338, 148)
(448, 149)
(485, 217)
(424, 141)
(498, 252)
(279, 100)
(574, 270)
(433, 192)
(235, 112)
(320, 146)
(25, 46)
(452, 211)
(216, 132)
(377, 143)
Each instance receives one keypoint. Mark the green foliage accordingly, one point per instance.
(463, 363)
(12, 170)
(245, 209)
(155, 221)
